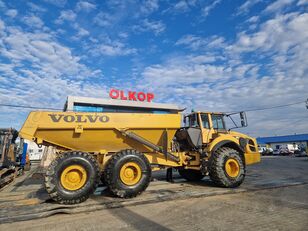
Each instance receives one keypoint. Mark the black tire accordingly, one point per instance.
(102, 179)
(53, 177)
(217, 169)
(113, 168)
(191, 175)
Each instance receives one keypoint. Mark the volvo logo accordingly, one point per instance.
(56, 118)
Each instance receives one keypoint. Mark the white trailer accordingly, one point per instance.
(35, 152)
(284, 148)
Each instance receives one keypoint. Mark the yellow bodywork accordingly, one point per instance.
(100, 134)
(251, 156)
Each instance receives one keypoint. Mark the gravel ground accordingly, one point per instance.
(284, 207)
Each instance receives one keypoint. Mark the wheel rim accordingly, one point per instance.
(130, 173)
(73, 177)
(232, 168)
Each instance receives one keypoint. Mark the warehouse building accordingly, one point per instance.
(275, 142)
(86, 104)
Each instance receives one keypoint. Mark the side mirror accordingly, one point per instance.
(243, 119)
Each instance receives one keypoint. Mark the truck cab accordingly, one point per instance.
(206, 132)
(208, 123)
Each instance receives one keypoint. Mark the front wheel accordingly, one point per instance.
(227, 168)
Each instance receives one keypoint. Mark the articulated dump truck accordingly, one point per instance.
(124, 148)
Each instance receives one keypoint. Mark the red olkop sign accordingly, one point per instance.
(131, 95)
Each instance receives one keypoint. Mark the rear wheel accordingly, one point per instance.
(72, 177)
(127, 173)
(227, 168)
(191, 175)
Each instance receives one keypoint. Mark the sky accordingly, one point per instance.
(206, 55)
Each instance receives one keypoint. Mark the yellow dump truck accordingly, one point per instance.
(126, 145)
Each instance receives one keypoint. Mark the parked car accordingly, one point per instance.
(287, 149)
(262, 150)
(299, 153)
(265, 151)
(269, 151)
(284, 152)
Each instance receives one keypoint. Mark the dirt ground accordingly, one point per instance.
(283, 207)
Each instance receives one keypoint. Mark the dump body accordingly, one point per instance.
(99, 132)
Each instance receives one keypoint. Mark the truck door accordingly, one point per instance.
(205, 128)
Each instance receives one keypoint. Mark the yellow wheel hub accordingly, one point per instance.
(232, 168)
(130, 173)
(73, 177)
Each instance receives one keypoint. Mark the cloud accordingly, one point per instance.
(278, 5)
(149, 6)
(275, 35)
(85, 6)
(181, 6)
(42, 53)
(2, 25)
(245, 7)
(2, 4)
(58, 3)
(264, 63)
(302, 2)
(186, 73)
(35, 7)
(39, 68)
(157, 27)
(115, 48)
(42, 92)
(82, 32)
(253, 19)
(259, 69)
(103, 19)
(194, 42)
(11, 13)
(33, 21)
(66, 15)
(206, 10)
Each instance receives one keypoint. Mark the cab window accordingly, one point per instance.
(205, 121)
(218, 122)
(191, 121)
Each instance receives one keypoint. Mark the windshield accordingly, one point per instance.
(218, 122)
